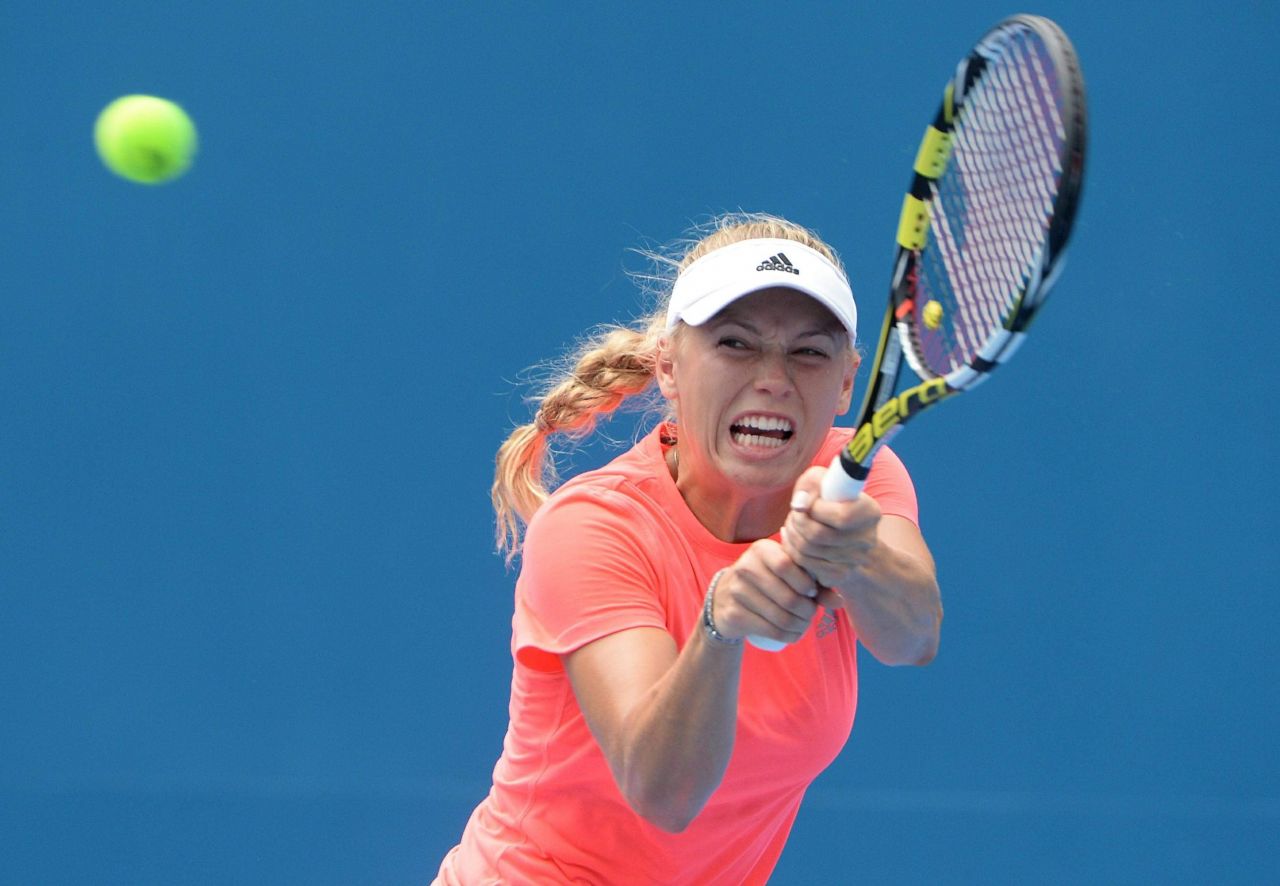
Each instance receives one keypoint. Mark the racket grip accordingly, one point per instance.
(837, 485)
(768, 644)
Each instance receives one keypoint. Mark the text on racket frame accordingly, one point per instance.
(894, 412)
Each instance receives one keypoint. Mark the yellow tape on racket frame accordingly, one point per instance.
(935, 151)
(913, 226)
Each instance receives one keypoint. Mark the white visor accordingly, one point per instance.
(722, 276)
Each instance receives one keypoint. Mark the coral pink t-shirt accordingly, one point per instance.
(614, 549)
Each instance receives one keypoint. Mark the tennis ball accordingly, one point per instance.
(932, 314)
(145, 139)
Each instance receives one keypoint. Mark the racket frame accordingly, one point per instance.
(883, 412)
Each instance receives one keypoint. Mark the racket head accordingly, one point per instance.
(993, 199)
(982, 237)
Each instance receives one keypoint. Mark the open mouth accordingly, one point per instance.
(761, 430)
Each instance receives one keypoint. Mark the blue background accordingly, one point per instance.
(253, 630)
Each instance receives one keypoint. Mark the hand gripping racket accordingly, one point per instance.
(981, 239)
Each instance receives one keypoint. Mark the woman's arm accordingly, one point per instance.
(665, 720)
(879, 565)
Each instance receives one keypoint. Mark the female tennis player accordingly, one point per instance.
(648, 742)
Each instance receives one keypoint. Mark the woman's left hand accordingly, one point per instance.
(831, 540)
(879, 566)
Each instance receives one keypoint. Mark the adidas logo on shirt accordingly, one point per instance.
(778, 262)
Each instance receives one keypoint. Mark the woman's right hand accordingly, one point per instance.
(765, 594)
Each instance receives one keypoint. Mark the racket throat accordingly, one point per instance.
(853, 468)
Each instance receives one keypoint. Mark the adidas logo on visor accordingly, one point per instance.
(778, 262)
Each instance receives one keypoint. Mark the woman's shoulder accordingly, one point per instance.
(623, 489)
(639, 471)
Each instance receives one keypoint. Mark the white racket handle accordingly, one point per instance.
(837, 485)
(768, 644)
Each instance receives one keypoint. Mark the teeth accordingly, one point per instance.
(757, 440)
(765, 423)
(765, 431)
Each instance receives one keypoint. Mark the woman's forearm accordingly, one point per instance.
(665, 720)
(896, 607)
(680, 737)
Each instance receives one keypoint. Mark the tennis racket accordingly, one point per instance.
(982, 235)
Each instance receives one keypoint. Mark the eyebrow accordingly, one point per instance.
(728, 318)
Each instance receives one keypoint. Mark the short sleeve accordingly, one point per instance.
(585, 573)
(890, 485)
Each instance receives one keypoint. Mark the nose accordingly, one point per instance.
(773, 375)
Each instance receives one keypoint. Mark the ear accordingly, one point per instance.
(664, 367)
(846, 383)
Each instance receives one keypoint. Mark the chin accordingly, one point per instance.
(764, 478)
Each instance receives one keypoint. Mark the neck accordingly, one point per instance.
(729, 512)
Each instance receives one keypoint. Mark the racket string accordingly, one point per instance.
(991, 208)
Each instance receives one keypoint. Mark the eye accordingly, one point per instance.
(733, 344)
(816, 353)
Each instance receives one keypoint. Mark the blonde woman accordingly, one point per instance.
(648, 743)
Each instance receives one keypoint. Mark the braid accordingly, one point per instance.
(610, 367)
(606, 373)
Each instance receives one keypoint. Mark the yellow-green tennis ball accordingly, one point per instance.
(932, 314)
(145, 139)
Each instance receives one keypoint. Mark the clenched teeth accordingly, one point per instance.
(764, 423)
(762, 430)
(757, 440)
